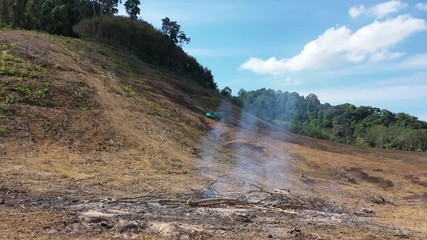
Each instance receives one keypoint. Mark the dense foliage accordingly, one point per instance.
(53, 16)
(95, 18)
(149, 44)
(344, 123)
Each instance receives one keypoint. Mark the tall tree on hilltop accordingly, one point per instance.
(18, 12)
(54, 16)
(132, 9)
(107, 7)
(5, 12)
(95, 5)
(226, 92)
(173, 30)
(33, 14)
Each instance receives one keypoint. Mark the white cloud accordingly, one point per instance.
(269, 66)
(379, 11)
(422, 6)
(354, 12)
(369, 94)
(383, 9)
(418, 61)
(340, 45)
(385, 55)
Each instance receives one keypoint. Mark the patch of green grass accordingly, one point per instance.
(22, 94)
(78, 94)
(23, 90)
(130, 91)
(153, 105)
(119, 63)
(2, 117)
(41, 92)
(73, 45)
(5, 27)
(109, 55)
(9, 99)
(101, 71)
(82, 97)
(183, 126)
(11, 64)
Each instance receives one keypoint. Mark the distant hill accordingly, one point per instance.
(345, 123)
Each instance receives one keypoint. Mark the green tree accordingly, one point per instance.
(132, 9)
(107, 7)
(5, 12)
(18, 12)
(226, 92)
(33, 12)
(55, 17)
(312, 106)
(173, 30)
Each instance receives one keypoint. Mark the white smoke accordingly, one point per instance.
(258, 158)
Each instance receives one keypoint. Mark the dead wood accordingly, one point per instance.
(376, 198)
(205, 202)
(278, 200)
(281, 200)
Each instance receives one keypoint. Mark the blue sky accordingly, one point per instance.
(361, 52)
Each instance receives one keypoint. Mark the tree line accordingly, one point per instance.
(59, 16)
(96, 19)
(345, 123)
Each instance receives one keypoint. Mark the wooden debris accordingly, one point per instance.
(281, 200)
(376, 198)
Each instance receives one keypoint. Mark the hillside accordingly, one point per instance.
(96, 143)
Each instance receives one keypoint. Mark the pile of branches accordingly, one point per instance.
(376, 198)
(341, 175)
(279, 199)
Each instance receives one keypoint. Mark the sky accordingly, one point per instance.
(371, 53)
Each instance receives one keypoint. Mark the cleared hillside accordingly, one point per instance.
(86, 99)
(92, 140)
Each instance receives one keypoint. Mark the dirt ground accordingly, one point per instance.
(135, 157)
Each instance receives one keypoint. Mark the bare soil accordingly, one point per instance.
(117, 140)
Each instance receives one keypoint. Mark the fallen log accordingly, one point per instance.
(204, 202)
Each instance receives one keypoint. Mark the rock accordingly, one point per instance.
(1, 200)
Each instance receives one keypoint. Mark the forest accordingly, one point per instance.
(97, 19)
(345, 123)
